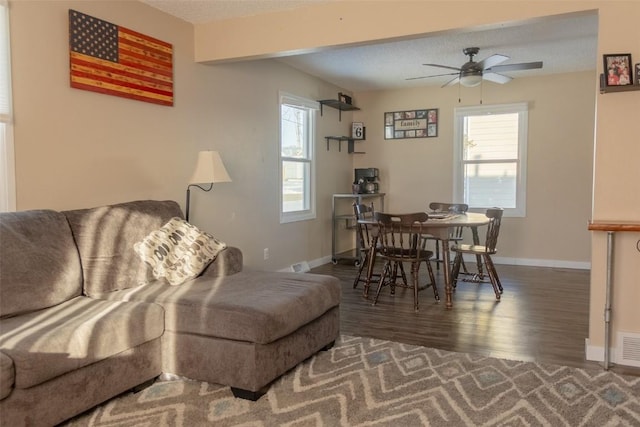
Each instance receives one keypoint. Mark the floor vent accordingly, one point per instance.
(300, 267)
(628, 349)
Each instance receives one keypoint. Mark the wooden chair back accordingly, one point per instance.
(362, 211)
(398, 236)
(493, 229)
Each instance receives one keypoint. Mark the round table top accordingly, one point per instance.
(469, 219)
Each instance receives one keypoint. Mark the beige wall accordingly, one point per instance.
(617, 178)
(559, 167)
(77, 149)
(616, 194)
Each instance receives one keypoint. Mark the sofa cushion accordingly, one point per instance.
(76, 333)
(39, 263)
(250, 306)
(105, 237)
(7, 375)
(178, 251)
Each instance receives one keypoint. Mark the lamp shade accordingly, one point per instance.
(209, 169)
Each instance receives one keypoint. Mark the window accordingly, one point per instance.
(7, 180)
(297, 171)
(490, 157)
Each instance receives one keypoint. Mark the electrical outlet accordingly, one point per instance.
(266, 253)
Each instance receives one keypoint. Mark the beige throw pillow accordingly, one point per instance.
(178, 251)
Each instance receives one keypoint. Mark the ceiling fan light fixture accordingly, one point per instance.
(471, 79)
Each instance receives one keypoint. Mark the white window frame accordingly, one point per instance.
(7, 159)
(312, 107)
(460, 113)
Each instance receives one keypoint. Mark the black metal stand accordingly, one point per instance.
(186, 212)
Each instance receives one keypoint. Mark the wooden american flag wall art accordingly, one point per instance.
(114, 60)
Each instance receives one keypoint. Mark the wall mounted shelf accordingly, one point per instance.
(350, 143)
(338, 105)
(611, 89)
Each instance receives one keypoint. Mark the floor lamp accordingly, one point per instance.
(209, 170)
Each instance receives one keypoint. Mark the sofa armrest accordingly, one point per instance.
(228, 262)
(7, 375)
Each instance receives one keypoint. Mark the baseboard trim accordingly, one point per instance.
(535, 262)
(312, 264)
(530, 262)
(594, 353)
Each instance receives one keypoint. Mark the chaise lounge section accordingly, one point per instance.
(83, 318)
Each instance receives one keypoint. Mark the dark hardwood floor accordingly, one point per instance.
(543, 315)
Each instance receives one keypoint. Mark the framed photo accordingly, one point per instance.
(617, 69)
(411, 124)
(344, 98)
(638, 74)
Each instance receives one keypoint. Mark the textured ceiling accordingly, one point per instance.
(564, 44)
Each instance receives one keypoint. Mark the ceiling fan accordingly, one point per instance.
(472, 73)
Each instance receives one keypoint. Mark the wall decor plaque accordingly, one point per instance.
(114, 60)
(411, 124)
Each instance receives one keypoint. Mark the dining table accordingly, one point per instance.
(438, 225)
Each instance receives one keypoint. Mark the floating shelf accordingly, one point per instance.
(610, 89)
(350, 143)
(338, 105)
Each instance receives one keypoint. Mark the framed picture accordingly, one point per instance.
(638, 74)
(344, 98)
(617, 69)
(411, 124)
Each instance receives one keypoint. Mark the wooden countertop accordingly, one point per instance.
(601, 225)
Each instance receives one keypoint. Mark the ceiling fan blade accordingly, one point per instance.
(496, 78)
(427, 77)
(443, 66)
(451, 82)
(492, 61)
(516, 67)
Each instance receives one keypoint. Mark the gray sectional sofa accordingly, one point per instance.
(83, 319)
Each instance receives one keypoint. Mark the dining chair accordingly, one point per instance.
(455, 234)
(364, 236)
(398, 242)
(367, 245)
(485, 252)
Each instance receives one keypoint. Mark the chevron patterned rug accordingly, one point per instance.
(368, 382)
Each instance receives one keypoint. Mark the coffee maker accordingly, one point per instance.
(366, 181)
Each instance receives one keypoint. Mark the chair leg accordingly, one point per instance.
(403, 274)
(386, 271)
(438, 254)
(433, 282)
(415, 267)
(464, 266)
(455, 270)
(479, 264)
(393, 275)
(492, 266)
(361, 268)
(476, 241)
(492, 275)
